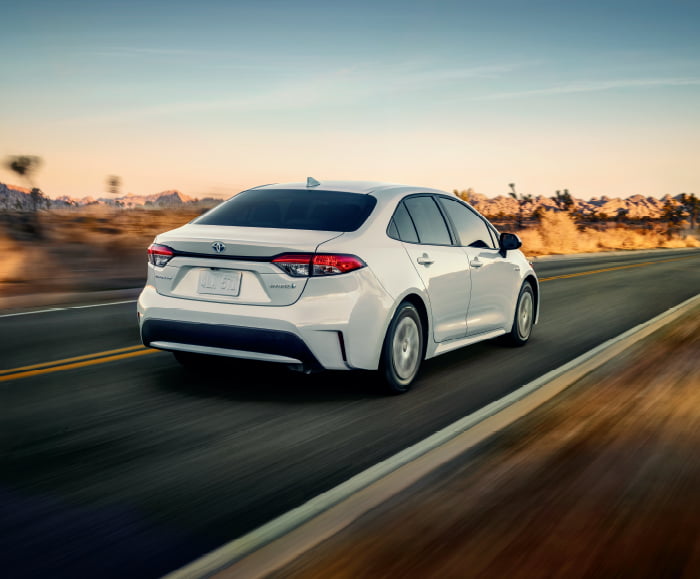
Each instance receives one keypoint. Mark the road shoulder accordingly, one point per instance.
(601, 481)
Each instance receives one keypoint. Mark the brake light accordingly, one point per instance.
(317, 264)
(332, 264)
(159, 255)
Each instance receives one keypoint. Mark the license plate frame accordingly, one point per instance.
(220, 282)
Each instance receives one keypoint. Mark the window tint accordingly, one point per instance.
(292, 209)
(403, 225)
(472, 230)
(429, 222)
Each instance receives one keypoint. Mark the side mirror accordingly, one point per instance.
(509, 241)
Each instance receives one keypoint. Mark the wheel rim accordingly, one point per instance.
(406, 349)
(525, 309)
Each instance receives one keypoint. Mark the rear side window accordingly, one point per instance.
(402, 224)
(430, 225)
(292, 209)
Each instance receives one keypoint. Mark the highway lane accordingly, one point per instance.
(136, 467)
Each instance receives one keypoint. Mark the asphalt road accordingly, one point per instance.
(128, 466)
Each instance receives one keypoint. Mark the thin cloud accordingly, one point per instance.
(339, 87)
(121, 51)
(594, 86)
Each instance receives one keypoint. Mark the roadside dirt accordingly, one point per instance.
(604, 481)
(94, 249)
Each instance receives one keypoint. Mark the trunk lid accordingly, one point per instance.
(240, 272)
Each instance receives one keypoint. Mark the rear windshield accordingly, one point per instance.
(292, 209)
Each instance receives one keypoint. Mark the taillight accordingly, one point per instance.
(332, 264)
(317, 264)
(159, 255)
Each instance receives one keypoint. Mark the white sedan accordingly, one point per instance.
(338, 275)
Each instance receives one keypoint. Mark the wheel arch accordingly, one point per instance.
(416, 301)
(534, 284)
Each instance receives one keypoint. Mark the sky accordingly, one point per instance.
(215, 96)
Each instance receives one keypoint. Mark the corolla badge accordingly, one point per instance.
(218, 246)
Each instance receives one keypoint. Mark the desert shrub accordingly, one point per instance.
(557, 233)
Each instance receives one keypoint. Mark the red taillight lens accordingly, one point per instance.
(159, 255)
(310, 264)
(332, 264)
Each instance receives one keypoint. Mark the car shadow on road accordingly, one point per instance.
(245, 380)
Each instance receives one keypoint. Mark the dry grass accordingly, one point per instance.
(95, 248)
(557, 233)
(105, 248)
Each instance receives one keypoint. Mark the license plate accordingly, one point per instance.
(220, 282)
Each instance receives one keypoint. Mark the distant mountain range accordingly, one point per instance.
(13, 198)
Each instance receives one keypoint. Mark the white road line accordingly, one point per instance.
(66, 308)
(100, 305)
(29, 313)
(274, 544)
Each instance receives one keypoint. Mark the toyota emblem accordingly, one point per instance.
(218, 246)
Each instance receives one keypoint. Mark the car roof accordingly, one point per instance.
(375, 188)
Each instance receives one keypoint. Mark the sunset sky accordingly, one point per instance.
(211, 97)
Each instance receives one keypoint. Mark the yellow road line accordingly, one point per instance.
(74, 359)
(139, 350)
(93, 362)
(581, 273)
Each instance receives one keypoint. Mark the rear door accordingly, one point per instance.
(495, 279)
(443, 267)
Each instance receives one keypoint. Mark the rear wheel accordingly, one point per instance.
(402, 353)
(524, 317)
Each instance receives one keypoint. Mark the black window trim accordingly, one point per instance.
(392, 220)
(448, 224)
(453, 227)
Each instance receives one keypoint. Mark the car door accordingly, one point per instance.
(495, 279)
(442, 266)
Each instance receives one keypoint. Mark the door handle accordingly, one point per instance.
(476, 262)
(425, 259)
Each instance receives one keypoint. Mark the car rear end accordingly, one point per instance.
(250, 279)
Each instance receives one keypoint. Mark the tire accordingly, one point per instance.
(402, 352)
(524, 317)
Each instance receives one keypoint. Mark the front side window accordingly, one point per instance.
(292, 209)
(471, 229)
(430, 225)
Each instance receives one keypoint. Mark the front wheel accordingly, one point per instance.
(524, 317)
(402, 352)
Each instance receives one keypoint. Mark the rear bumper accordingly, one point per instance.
(338, 324)
(272, 345)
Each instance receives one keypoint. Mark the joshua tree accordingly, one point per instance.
(672, 214)
(38, 199)
(26, 166)
(113, 184)
(563, 200)
(691, 206)
(622, 215)
(522, 201)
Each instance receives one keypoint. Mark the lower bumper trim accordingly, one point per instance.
(275, 343)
